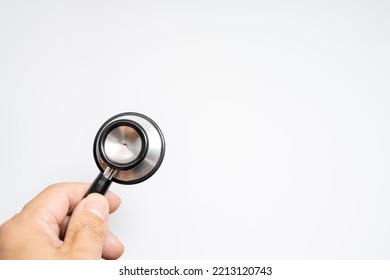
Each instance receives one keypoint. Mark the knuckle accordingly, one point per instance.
(7, 229)
(9, 236)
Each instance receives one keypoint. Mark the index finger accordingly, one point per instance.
(60, 199)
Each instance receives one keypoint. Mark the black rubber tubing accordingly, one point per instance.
(100, 185)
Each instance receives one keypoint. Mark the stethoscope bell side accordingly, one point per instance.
(128, 149)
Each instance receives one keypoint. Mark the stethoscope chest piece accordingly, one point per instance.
(128, 149)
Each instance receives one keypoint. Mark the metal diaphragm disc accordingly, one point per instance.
(132, 144)
(123, 144)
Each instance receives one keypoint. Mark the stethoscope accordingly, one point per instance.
(128, 149)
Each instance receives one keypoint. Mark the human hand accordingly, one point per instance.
(37, 231)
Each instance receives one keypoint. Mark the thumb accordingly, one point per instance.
(87, 229)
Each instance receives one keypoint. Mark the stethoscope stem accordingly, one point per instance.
(101, 183)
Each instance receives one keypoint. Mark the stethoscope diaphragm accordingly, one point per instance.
(128, 149)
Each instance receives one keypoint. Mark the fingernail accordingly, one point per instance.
(97, 204)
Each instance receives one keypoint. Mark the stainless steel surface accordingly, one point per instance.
(154, 154)
(123, 144)
(109, 173)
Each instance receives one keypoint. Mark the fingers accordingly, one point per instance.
(84, 229)
(59, 200)
(112, 248)
(87, 229)
(114, 201)
(56, 200)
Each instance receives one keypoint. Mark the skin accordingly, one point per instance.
(59, 224)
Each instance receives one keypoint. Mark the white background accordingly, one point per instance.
(275, 113)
